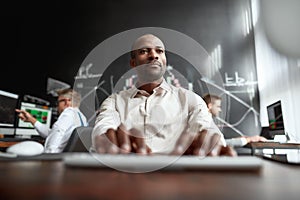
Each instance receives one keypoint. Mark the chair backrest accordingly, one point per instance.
(80, 140)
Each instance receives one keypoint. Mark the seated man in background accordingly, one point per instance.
(154, 116)
(213, 103)
(69, 118)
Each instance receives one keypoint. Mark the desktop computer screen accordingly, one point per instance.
(8, 104)
(43, 114)
(276, 124)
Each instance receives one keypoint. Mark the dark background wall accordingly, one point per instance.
(42, 39)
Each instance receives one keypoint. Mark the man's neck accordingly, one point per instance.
(149, 87)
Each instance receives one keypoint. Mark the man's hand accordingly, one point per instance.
(202, 144)
(121, 141)
(255, 138)
(26, 116)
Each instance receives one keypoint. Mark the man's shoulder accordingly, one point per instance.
(186, 92)
(124, 93)
(69, 110)
(177, 89)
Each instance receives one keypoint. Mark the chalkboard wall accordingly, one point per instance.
(45, 39)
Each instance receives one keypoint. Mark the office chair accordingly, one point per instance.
(80, 140)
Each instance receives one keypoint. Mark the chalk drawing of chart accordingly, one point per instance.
(231, 94)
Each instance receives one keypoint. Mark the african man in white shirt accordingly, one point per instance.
(154, 116)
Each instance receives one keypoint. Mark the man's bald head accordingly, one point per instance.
(146, 41)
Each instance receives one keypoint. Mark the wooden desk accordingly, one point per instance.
(52, 180)
(271, 145)
(4, 144)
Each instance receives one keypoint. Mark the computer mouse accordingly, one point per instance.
(26, 148)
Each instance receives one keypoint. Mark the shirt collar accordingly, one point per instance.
(160, 90)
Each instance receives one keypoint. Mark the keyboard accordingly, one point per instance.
(143, 163)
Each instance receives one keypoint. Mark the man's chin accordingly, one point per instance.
(154, 66)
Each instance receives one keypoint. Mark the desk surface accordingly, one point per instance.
(273, 145)
(53, 180)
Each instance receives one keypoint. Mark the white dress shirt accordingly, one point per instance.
(161, 116)
(236, 142)
(58, 136)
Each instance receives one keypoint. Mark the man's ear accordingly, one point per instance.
(132, 63)
(209, 105)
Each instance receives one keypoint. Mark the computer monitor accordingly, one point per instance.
(276, 124)
(8, 104)
(43, 114)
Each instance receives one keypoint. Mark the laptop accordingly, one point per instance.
(275, 118)
(146, 163)
(275, 132)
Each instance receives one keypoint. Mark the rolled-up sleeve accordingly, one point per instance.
(214, 129)
(42, 129)
(200, 119)
(108, 117)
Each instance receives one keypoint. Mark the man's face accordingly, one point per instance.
(62, 103)
(150, 58)
(215, 107)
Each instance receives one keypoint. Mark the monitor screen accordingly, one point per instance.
(8, 104)
(276, 125)
(43, 114)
